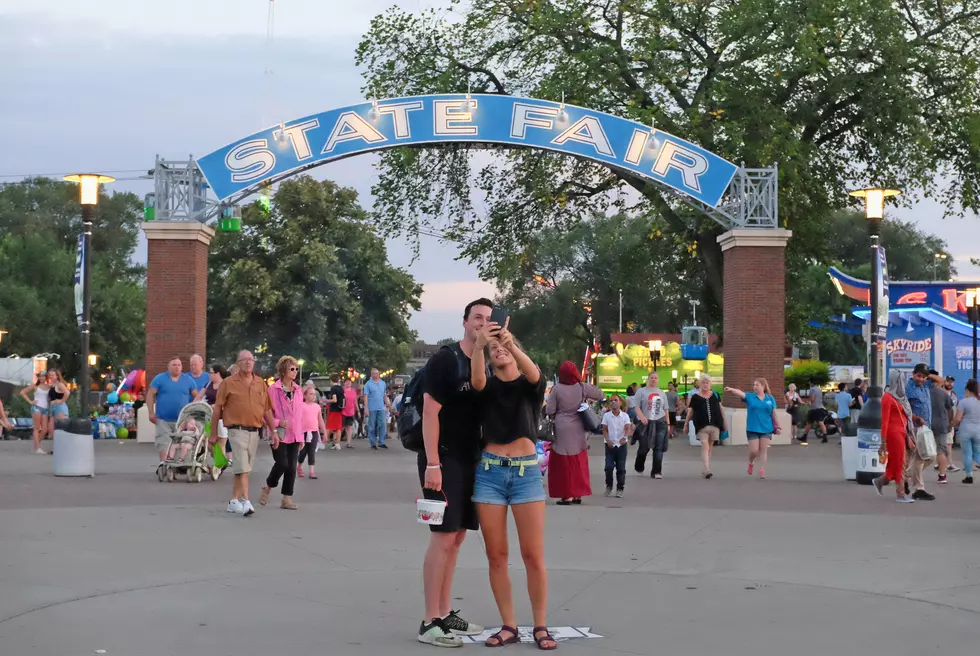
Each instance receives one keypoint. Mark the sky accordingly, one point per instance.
(108, 85)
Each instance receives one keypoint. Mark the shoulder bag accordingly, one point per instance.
(589, 421)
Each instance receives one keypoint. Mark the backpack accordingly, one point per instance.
(410, 417)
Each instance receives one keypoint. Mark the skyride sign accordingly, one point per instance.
(479, 119)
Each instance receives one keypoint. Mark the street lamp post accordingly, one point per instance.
(935, 265)
(973, 307)
(874, 210)
(655, 346)
(88, 187)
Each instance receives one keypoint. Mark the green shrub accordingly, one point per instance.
(802, 374)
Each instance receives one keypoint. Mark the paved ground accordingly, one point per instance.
(802, 563)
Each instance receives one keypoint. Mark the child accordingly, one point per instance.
(616, 428)
(313, 427)
(188, 436)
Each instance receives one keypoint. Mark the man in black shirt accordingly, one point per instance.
(447, 470)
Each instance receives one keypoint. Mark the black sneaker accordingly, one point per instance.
(459, 626)
(968, 480)
(922, 495)
(374, 448)
(385, 446)
(437, 634)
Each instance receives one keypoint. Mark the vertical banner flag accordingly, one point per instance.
(881, 270)
(79, 276)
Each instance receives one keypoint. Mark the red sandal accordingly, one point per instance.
(547, 636)
(501, 641)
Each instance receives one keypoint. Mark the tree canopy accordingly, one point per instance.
(40, 220)
(833, 92)
(311, 278)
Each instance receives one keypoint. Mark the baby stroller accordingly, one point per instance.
(199, 459)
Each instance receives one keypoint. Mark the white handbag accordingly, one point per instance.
(925, 443)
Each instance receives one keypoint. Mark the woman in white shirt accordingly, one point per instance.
(616, 429)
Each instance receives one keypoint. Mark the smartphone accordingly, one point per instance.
(499, 316)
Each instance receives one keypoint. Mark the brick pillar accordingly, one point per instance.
(755, 308)
(176, 292)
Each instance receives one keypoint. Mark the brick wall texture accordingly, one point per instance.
(176, 302)
(755, 318)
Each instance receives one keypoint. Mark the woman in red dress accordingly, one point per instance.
(897, 435)
(568, 468)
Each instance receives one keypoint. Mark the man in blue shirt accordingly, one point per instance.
(917, 390)
(377, 402)
(168, 394)
(198, 374)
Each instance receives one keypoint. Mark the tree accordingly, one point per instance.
(565, 288)
(40, 220)
(311, 278)
(831, 91)
(911, 256)
(446, 341)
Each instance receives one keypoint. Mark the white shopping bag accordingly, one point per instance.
(925, 443)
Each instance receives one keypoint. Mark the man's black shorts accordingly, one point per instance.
(458, 479)
(817, 415)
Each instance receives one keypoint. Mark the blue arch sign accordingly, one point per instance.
(478, 119)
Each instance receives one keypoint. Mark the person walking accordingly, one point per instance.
(198, 374)
(349, 411)
(313, 427)
(942, 420)
(672, 398)
(708, 415)
(898, 436)
(376, 392)
(760, 421)
(287, 409)
(447, 472)
(918, 394)
(508, 476)
(843, 399)
(568, 466)
(209, 394)
(40, 408)
(793, 405)
(242, 405)
(651, 415)
(4, 420)
(168, 394)
(336, 400)
(616, 429)
(968, 421)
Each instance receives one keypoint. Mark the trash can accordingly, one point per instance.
(74, 448)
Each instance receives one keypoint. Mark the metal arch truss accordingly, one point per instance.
(751, 200)
(181, 192)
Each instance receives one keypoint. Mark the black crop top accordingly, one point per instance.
(55, 395)
(511, 409)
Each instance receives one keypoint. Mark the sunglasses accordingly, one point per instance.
(294, 368)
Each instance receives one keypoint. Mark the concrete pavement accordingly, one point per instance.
(800, 563)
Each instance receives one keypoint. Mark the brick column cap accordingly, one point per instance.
(754, 237)
(179, 230)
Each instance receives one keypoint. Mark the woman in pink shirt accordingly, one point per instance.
(287, 409)
(313, 427)
(350, 409)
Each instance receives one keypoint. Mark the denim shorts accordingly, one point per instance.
(750, 435)
(508, 481)
(59, 409)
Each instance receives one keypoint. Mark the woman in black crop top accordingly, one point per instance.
(708, 415)
(509, 476)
